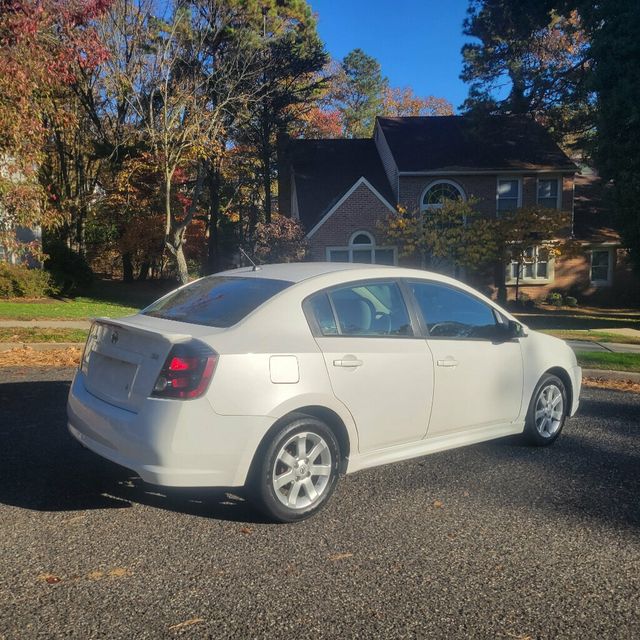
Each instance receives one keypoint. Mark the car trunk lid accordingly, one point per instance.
(122, 359)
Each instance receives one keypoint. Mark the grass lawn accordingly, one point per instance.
(22, 334)
(592, 336)
(106, 298)
(610, 361)
(71, 309)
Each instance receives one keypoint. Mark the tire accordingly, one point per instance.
(547, 411)
(283, 486)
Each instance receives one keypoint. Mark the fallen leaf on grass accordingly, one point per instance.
(340, 556)
(31, 357)
(186, 623)
(615, 385)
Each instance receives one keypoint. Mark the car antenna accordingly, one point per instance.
(246, 255)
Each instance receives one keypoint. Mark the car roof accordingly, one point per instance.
(299, 271)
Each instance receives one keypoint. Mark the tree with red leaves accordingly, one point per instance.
(42, 45)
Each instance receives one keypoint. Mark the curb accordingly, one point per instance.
(603, 374)
(40, 346)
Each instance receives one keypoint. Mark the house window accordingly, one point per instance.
(601, 266)
(536, 268)
(362, 248)
(437, 193)
(549, 193)
(508, 194)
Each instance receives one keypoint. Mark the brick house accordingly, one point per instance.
(342, 190)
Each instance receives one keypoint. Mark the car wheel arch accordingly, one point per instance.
(563, 374)
(326, 415)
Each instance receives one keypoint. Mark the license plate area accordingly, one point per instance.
(110, 378)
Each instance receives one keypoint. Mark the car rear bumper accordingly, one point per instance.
(171, 443)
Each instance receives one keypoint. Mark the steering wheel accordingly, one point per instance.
(449, 329)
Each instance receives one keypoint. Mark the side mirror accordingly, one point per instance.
(515, 330)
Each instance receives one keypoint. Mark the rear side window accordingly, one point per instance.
(370, 309)
(451, 313)
(216, 301)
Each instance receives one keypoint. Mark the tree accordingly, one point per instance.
(201, 71)
(359, 93)
(281, 240)
(539, 51)
(451, 237)
(42, 45)
(402, 101)
(615, 48)
(518, 231)
(291, 60)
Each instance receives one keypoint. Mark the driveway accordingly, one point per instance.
(493, 541)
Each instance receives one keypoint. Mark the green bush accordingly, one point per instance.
(70, 271)
(555, 299)
(17, 281)
(570, 301)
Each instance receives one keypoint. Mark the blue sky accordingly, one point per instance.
(416, 42)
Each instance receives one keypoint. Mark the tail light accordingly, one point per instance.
(187, 372)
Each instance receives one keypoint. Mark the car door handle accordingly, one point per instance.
(448, 362)
(348, 361)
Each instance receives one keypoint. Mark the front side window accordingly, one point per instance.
(508, 194)
(216, 301)
(451, 313)
(362, 248)
(438, 193)
(600, 266)
(548, 192)
(371, 309)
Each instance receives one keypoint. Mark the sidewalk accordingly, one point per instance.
(46, 324)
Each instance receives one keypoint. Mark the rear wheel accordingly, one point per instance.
(547, 411)
(296, 473)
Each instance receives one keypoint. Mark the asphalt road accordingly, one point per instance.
(493, 541)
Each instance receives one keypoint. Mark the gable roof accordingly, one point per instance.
(470, 143)
(325, 170)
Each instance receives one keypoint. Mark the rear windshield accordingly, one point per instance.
(216, 301)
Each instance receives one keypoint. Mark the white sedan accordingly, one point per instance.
(281, 378)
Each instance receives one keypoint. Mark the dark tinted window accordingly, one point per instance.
(451, 313)
(371, 310)
(216, 301)
(320, 308)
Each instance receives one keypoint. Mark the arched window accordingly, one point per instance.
(362, 248)
(437, 193)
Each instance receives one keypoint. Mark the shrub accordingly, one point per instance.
(17, 281)
(69, 269)
(570, 301)
(555, 299)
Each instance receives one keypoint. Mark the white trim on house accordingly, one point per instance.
(337, 205)
(534, 279)
(610, 265)
(387, 158)
(558, 189)
(458, 187)
(486, 172)
(371, 246)
(295, 211)
(509, 178)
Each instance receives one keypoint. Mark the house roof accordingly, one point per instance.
(325, 170)
(592, 218)
(469, 143)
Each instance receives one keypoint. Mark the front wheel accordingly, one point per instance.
(295, 475)
(547, 411)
